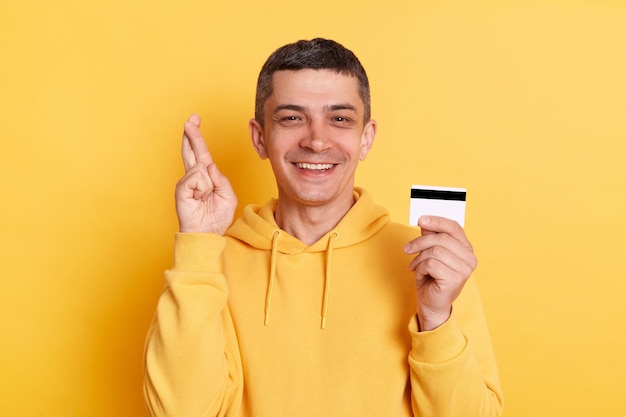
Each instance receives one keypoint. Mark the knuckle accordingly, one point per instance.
(431, 264)
(473, 262)
(443, 238)
(465, 273)
(181, 182)
(438, 251)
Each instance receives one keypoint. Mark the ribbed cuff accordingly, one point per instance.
(198, 252)
(437, 346)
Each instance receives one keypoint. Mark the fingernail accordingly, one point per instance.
(424, 220)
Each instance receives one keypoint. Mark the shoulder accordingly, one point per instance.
(394, 230)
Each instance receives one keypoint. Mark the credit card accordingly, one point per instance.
(446, 202)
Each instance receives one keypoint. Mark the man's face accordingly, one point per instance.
(313, 135)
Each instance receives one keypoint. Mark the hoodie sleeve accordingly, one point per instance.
(191, 359)
(453, 368)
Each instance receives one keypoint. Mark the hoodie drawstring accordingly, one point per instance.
(270, 285)
(329, 254)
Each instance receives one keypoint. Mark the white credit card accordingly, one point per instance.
(446, 202)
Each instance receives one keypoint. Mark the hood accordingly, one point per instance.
(257, 228)
(257, 225)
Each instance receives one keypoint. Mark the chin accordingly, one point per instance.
(319, 197)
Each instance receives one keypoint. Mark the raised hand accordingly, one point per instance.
(445, 260)
(205, 200)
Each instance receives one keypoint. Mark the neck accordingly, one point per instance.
(309, 223)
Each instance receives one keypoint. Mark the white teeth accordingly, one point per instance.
(305, 165)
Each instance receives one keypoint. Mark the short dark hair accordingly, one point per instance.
(316, 54)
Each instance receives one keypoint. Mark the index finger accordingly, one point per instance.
(194, 149)
(436, 224)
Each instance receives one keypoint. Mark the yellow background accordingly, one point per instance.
(521, 102)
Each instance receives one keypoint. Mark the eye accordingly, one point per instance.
(289, 120)
(342, 120)
(290, 117)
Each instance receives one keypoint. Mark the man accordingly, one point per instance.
(314, 304)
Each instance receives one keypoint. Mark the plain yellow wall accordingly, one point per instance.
(521, 102)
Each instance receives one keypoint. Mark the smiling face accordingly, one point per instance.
(314, 136)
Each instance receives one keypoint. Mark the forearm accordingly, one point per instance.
(188, 368)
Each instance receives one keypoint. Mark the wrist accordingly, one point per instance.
(190, 227)
(428, 320)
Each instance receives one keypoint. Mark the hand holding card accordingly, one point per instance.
(444, 257)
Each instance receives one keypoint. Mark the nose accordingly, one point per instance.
(316, 137)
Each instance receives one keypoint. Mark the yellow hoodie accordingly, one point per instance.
(257, 323)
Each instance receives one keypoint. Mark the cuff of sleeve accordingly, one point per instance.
(437, 346)
(198, 251)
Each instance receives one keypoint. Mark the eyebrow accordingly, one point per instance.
(345, 106)
(332, 107)
(294, 107)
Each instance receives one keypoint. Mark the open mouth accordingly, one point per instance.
(314, 167)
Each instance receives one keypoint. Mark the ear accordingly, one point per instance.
(367, 138)
(258, 139)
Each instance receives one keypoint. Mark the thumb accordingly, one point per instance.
(423, 223)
